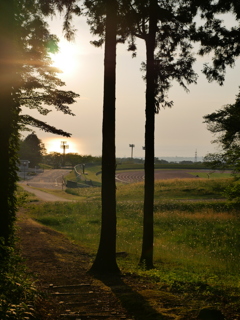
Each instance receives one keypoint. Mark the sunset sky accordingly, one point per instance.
(180, 131)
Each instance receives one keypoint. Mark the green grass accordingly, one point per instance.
(198, 239)
(185, 189)
(212, 175)
(45, 166)
(90, 175)
(196, 234)
(201, 245)
(93, 172)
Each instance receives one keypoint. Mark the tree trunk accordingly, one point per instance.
(105, 261)
(8, 120)
(147, 244)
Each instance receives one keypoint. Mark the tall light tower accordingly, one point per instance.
(64, 146)
(132, 146)
(196, 156)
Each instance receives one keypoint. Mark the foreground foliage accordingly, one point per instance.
(18, 294)
(27, 79)
(224, 124)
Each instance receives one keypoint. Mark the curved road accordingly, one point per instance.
(53, 179)
(49, 179)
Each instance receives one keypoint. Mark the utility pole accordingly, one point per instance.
(64, 146)
(132, 146)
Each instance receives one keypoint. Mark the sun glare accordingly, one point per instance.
(66, 59)
(55, 145)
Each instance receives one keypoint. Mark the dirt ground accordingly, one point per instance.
(60, 269)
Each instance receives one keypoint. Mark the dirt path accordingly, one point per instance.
(61, 269)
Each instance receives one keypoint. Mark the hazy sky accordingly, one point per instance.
(180, 131)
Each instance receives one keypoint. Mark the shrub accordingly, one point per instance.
(17, 291)
(233, 191)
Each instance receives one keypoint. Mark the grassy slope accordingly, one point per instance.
(197, 241)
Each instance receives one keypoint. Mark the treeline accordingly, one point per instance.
(168, 165)
(57, 160)
(33, 150)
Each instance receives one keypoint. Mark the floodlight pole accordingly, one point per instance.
(64, 146)
(132, 146)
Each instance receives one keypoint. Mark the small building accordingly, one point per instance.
(23, 165)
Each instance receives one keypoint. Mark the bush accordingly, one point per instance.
(233, 191)
(17, 291)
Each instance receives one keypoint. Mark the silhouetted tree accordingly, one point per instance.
(105, 261)
(168, 30)
(73, 159)
(164, 26)
(215, 38)
(26, 79)
(53, 159)
(225, 125)
(9, 115)
(224, 45)
(32, 149)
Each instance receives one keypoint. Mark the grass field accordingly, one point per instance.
(196, 233)
(197, 240)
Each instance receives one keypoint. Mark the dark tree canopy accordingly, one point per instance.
(173, 58)
(32, 149)
(225, 125)
(53, 159)
(215, 38)
(26, 80)
(39, 87)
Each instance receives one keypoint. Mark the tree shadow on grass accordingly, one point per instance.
(135, 304)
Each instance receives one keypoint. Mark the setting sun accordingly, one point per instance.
(55, 145)
(67, 58)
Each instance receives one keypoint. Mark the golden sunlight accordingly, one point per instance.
(67, 59)
(56, 145)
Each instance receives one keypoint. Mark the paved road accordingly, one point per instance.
(49, 179)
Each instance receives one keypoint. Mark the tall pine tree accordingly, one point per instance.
(26, 79)
(165, 28)
(105, 261)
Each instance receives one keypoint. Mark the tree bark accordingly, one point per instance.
(8, 120)
(105, 261)
(148, 231)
